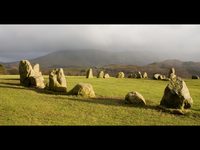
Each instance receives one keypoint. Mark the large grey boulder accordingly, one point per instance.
(120, 75)
(57, 81)
(135, 98)
(89, 73)
(83, 89)
(176, 95)
(30, 76)
(101, 74)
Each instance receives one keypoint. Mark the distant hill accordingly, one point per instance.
(76, 62)
(93, 58)
(2, 69)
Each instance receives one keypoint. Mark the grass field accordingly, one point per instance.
(27, 106)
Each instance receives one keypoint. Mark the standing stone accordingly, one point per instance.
(139, 75)
(101, 74)
(30, 76)
(37, 80)
(195, 77)
(145, 75)
(176, 95)
(61, 78)
(83, 89)
(135, 98)
(36, 68)
(57, 81)
(89, 73)
(106, 76)
(172, 74)
(25, 72)
(120, 75)
(172, 70)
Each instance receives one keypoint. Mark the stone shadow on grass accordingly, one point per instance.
(114, 101)
(12, 84)
(19, 86)
(110, 101)
(9, 79)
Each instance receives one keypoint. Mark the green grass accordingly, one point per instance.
(28, 106)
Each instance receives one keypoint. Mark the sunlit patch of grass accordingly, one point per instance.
(27, 106)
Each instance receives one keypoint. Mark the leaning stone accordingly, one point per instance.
(135, 98)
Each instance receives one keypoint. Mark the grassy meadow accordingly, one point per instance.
(28, 106)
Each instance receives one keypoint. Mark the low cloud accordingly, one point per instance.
(30, 41)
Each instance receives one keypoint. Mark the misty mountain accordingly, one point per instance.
(87, 58)
(112, 62)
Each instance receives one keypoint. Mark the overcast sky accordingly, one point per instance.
(30, 41)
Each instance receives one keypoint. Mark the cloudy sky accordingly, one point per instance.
(168, 41)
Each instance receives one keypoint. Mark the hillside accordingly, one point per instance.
(75, 62)
(86, 58)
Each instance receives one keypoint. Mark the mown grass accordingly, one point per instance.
(28, 106)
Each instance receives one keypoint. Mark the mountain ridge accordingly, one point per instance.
(127, 61)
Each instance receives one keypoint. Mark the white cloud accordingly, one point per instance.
(33, 40)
